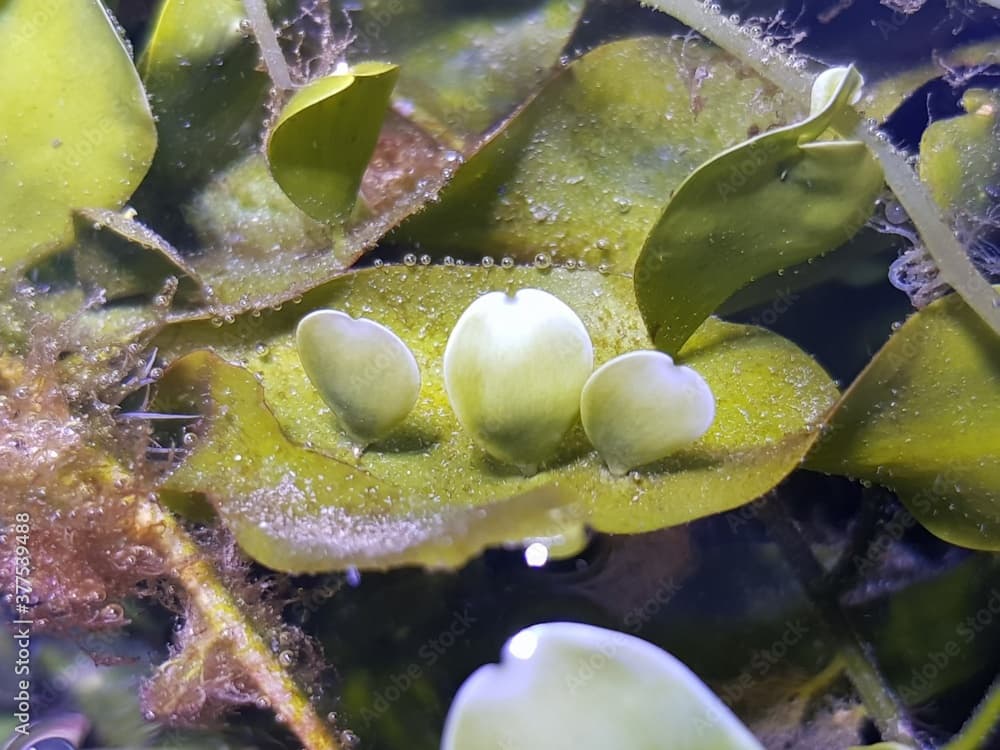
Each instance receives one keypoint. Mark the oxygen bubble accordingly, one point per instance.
(641, 407)
(543, 261)
(425, 260)
(498, 339)
(507, 262)
(488, 261)
(895, 213)
(448, 260)
(365, 373)
(378, 263)
(409, 259)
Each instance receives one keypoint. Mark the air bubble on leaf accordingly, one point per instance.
(365, 373)
(543, 261)
(640, 407)
(409, 259)
(556, 681)
(895, 213)
(514, 366)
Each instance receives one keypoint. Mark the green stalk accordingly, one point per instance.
(981, 725)
(267, 40)
(942, 245)
(226, 623)
(883, 705)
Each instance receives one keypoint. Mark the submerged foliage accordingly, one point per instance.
(152, 385)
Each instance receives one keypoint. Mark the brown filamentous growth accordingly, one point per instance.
(67, 470)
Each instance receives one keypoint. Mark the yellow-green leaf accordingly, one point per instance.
(469, 66)
(321, 144)
(770, 396)
(300, 511)
(960, 156)
(199, 68)
(77, 131)
(924, 420)
(123, 258)
(774, 201)
(583, 171)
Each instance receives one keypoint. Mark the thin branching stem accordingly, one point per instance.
(982, 725)
(227, 623)
(950, 257)
(267, 40)
(881, 702)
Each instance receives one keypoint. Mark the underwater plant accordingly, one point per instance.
(293, 296)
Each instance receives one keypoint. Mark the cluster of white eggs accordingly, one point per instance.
(518, 372)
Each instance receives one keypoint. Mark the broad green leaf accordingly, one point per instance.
(769, 394)
(924, 420)
(199, 68)
(566, 685)
(324, 138)
(299, 510)
(960, 156)
(467, 67)
(584, 170)
(76, 132)
(123, 258)
(774, 201)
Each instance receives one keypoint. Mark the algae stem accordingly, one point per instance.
(982, 725)
(942, 245)
(267, 40)
(948, 254)
(883, 705)
(226, 622)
